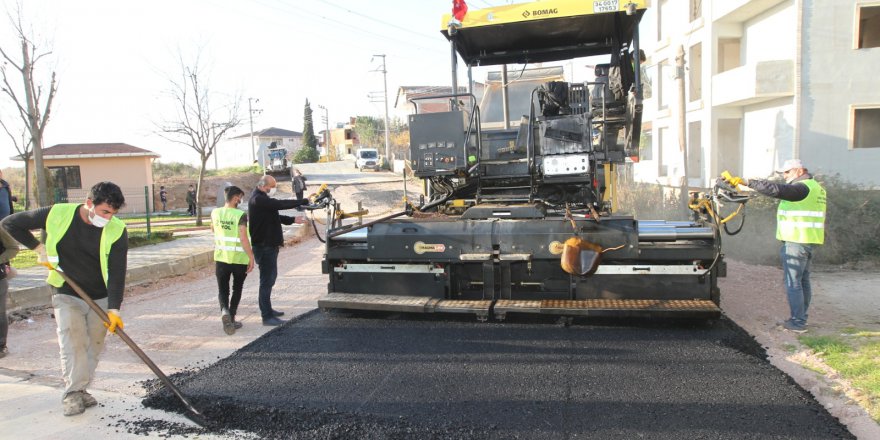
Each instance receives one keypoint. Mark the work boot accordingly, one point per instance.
(73, 403)
(3, 351)
(277, 313)
(792, 327)
(228, 326)
(88, 400)
(235, 322)
(273, 322)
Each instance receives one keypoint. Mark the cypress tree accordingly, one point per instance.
(309, 151)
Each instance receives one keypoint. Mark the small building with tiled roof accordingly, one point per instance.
(239, 151)
(74, 168)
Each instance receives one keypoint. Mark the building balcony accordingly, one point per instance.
(753, 83)
(738, 11)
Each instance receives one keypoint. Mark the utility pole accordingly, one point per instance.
(331, 149)
(682, 124)
(385, 79)
(251, 111)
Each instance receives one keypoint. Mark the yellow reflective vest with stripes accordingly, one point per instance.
(803, 221)
(227, 242)
(58, 222)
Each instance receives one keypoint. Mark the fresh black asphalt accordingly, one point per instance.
(340, 375)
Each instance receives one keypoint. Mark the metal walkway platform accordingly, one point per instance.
(500, 308)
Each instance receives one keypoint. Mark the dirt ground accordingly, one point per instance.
(752, 296)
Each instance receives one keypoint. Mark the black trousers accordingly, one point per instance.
(238, 272)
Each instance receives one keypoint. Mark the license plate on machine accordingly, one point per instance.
(605, 5)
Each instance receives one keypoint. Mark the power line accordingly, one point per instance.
(377, 20)
(347, 26)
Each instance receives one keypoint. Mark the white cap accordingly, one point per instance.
(790, 165)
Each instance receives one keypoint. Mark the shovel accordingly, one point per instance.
(192, 413)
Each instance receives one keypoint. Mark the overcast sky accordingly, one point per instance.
(114, 59)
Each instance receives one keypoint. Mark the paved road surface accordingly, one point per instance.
(341, 376)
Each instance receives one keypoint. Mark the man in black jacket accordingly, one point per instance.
(264, 225)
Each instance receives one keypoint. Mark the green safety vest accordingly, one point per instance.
(803, 221)
(57, 223)
(227, 242)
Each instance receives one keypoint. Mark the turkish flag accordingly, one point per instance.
(459, 8)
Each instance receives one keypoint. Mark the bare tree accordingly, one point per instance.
(23, 146)
(32, 105)
(198, 124)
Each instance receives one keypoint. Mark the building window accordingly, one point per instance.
(646, 147)
(729, 54)
(66, 177)
(665, 82)
(729, 145)
(868, 32)
(866, 127)
(695, 149)
(695, 72)
(667, 150)
(696, 9)
(663, 17)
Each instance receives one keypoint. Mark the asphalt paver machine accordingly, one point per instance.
(519, 214)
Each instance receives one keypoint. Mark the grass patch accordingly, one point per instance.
(139, 238)
(156, 218)
(826, 345)
(790, 348)
(24, 259)
(857, 361)
(157, 228)
(27, 258)
(164, 171)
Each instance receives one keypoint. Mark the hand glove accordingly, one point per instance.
(732, 180)
(115, 321)
(42, 258)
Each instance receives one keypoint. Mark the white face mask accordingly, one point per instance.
(97, 220)
(271, 192)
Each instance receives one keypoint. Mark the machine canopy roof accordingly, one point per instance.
(543, 31)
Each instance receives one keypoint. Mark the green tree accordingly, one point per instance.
(309, 151)
(370, 131)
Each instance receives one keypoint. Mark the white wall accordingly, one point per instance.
(771, 35)
(836, 76)
(768, 136)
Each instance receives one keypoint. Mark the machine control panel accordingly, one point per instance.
(566, 164)
(437, 143)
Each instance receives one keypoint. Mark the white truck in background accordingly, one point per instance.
(367, 158)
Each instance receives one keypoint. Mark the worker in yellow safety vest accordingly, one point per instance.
(233, 255)
(800, 226)
(90, 245)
